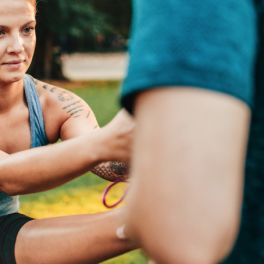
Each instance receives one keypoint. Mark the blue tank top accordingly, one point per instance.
(10, 204)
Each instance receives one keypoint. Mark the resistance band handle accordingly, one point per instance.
(105, 193)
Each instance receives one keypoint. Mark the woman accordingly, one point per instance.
(34, 114)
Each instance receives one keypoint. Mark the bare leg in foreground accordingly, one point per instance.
(70, 240)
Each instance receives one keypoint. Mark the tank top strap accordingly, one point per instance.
(37, 127)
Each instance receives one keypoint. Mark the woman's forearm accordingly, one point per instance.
(46, 167)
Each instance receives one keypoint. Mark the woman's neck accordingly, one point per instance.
(10, 95)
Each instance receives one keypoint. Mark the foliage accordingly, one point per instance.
(119, 13)
(66, 25)
(58, 21)
(70, 18)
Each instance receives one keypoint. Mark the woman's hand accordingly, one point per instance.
(118, 137)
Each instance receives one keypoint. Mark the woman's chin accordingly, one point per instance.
(12, 77)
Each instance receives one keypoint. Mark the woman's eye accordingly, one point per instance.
(28, 30)
(2, 33)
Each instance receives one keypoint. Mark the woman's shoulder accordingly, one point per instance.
(52, 94)
(53, 100)
(60, 105)
(48, 90)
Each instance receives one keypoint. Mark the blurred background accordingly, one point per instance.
(82, 46)
(71, 29)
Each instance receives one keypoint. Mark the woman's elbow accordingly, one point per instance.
(11, 189)
(178, 245)
(193, 252)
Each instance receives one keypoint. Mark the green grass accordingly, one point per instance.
(83, 195)
(102, 98)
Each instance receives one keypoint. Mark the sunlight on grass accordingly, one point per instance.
(77, 200)
(81, 200)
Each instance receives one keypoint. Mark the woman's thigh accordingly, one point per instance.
(70, 239)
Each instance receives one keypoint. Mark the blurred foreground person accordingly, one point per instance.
(195, 87)
(34, 114)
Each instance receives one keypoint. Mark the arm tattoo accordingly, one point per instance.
(112, 171)
(72, 104)
(72, 108)
(75, 109)
(65, 96)
(119, 168)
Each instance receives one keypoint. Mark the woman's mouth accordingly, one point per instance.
(13, 64)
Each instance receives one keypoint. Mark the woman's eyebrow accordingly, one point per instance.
(3, 27)
(30, 22)
(27, 23)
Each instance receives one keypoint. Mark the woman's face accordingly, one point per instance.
(17, 38)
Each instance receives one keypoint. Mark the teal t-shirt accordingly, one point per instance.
(249, 247)
(216, 45)
(209, 44)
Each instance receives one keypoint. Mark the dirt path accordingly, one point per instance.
(94, 66)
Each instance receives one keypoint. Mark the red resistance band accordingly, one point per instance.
(107, 190)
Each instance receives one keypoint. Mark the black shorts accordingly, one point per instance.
(9, 228)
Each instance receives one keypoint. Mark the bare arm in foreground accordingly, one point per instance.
(187, 174)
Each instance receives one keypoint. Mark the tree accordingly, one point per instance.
(118, 12)
(59, 20)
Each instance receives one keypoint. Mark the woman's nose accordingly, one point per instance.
(16, 44)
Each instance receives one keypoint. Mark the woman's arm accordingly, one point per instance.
(46, 167)
(73, 118)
